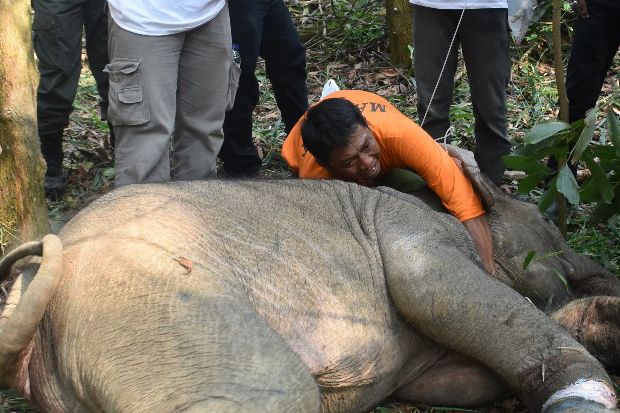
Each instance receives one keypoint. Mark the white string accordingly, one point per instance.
(445, 136)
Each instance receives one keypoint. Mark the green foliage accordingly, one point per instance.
(528, 259)
(599, 242)
(12, 402)
(539, 37)
(570, 144)
(342, 26)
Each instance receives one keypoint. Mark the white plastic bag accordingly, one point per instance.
(329, 88)
(520, 15)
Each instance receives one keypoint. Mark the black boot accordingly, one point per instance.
(51, 148)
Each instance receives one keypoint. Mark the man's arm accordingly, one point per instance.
(479, 231)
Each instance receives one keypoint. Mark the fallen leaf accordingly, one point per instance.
(390, 72)
(185, 263)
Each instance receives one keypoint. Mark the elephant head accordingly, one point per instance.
(530, 252)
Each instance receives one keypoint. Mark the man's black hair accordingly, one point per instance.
(329, 125)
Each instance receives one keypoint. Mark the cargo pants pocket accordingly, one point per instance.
(126, 97)
(45, 39)
(233, 84)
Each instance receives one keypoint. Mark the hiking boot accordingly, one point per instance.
(51, 149)
(54, 186)
(241, 173)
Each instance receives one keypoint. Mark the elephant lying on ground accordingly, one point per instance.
(300, 296)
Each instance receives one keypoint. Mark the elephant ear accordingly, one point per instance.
(483, 185)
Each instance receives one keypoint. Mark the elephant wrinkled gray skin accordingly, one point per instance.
(299, 296)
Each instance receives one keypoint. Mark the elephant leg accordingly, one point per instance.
(455, 380)
(595, 323)
(449, 298)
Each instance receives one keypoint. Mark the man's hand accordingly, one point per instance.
(479, 231)
(581, 8)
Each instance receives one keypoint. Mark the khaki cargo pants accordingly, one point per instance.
(168, 96)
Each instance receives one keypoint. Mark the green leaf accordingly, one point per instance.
(544, 131)
(530, 182)
(586, 134)
(603, 212)
(599, 180)
(527, 164)
(613, 127)
(588, 191)
(567, 185)
(547, 198)
(607, 157)
(561, 277)
(108, 172)
(528, 259)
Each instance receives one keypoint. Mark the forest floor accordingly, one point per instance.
(532, 98)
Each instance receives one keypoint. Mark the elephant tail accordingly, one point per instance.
(18, 329)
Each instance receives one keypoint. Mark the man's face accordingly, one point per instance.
(359, 160)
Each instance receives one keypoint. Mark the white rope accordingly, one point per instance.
(445, 62)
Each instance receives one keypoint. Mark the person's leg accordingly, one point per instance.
(203, 86)
(486, 51)
(96, 34)
(143, 83)
(285, 61)
(57, 34)
(595, 43)
(432, 33)
(238, 152)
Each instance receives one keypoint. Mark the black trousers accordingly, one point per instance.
(595, 42)
(57, 39)
(262, 28)
(484, 40)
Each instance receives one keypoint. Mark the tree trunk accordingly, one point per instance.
(558, 63)
(23, 212)
(400, 31)
(561, 86)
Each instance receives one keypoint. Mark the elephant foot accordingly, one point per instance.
(595, 323)
(577, 405)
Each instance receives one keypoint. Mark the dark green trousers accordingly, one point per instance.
(57, 38)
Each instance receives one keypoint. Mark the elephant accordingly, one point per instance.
(303, 296)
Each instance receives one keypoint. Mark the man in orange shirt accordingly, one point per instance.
(358, 136)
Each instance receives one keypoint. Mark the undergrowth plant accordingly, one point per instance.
(570, 144)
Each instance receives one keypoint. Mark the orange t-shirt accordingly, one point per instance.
(403, 144)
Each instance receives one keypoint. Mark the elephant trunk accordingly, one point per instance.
(588, 278)
(17, 331)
